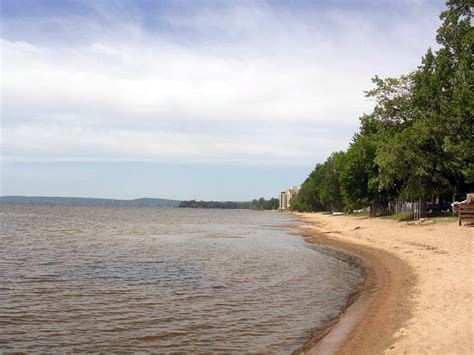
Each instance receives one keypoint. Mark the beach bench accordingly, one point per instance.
(466, 213)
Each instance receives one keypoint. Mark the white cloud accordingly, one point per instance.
(250, 85)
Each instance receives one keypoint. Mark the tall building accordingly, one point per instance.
(286, 196)
(283, 201)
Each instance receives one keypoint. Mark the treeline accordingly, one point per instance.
(260, 204)
(213, 204)
(417, 143)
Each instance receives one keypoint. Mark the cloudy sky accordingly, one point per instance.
(191, 99)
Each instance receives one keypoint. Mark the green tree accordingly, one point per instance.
(432, 152)
(417, 142)
(359, 174)
(330, 192)
(456, 74)
(307, 199)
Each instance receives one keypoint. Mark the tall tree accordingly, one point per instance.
(417, 142)
(359, 173)
(308, 198)
(456, 73)
(330, 192)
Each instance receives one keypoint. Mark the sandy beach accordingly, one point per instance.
(418, 293)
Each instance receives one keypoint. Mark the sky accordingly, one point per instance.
(213, 100)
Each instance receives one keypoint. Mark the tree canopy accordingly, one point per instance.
(417, 143)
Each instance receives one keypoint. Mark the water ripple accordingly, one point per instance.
(110, 279)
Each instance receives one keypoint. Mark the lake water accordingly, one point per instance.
(89, 279)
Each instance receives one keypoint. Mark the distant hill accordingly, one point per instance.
(84, 201)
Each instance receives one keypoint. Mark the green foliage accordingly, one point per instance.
(260, 204)
(359, 173)
(321, 190)
(308, 198)
(330, 193)
(213, 204)
(417, 143)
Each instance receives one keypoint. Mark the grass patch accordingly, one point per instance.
(365, 214)
(408, 216)
(444, 219)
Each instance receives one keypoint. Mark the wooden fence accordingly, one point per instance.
(412, 208)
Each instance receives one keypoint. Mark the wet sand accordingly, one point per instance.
(418, 293)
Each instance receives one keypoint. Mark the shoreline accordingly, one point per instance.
(346, 334)
(385, 316)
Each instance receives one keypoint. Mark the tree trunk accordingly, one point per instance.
(422, 213)
(454, 199)
(374, 206)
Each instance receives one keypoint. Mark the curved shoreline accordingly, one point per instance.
(381, 307)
